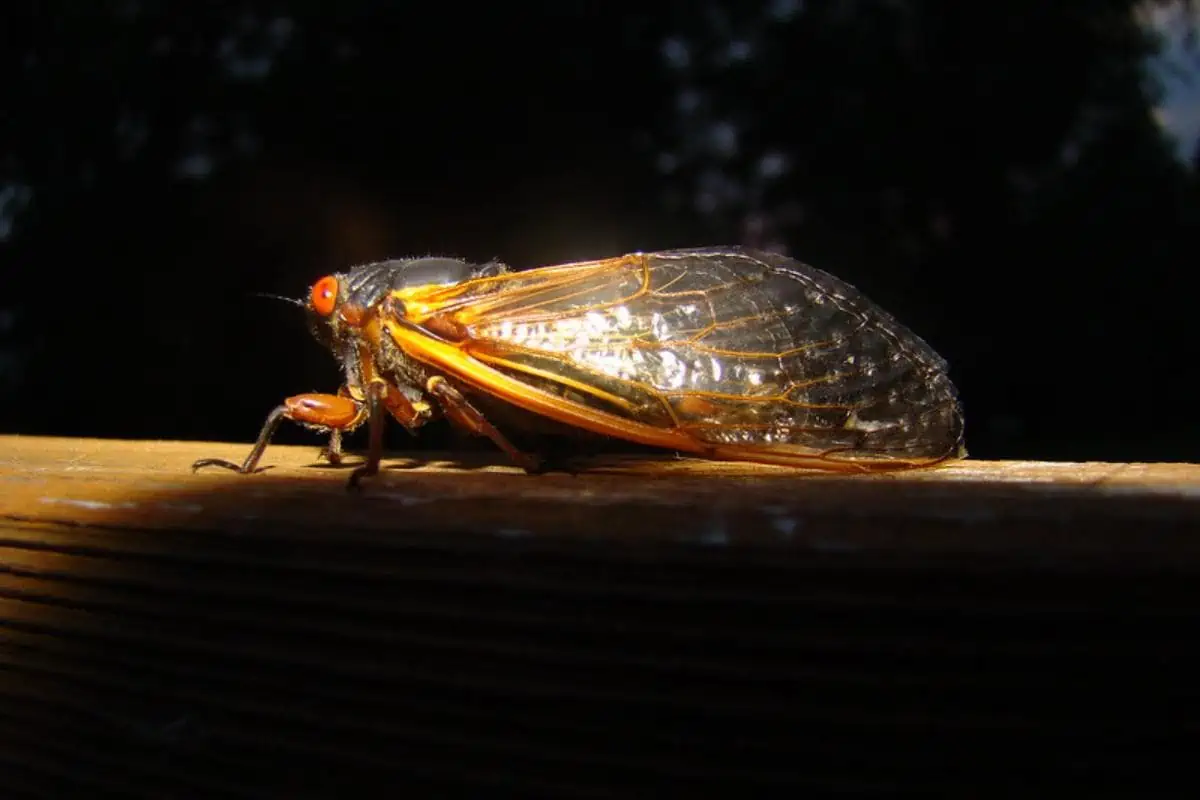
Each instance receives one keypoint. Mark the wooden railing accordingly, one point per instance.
(637, 629)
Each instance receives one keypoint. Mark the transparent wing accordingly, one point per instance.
(734, 348)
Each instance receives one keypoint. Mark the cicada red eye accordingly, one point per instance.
(324, 295)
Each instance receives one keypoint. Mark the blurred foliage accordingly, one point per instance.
(993, 174)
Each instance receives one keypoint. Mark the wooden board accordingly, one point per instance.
(640, 628)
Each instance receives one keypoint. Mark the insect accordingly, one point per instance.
(722, 353)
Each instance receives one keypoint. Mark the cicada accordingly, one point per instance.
(720, 353)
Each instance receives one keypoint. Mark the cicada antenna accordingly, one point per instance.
(269, 296)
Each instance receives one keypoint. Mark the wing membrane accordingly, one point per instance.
(747, 355)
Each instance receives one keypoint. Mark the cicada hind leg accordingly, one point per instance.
(460, 412)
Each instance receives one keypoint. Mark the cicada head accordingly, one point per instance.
(339, 304)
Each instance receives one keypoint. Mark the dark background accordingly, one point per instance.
(991, 173)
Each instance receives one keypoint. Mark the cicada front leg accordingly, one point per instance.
(412, 415)
(333, 412)
(338, 414)
(333, 452)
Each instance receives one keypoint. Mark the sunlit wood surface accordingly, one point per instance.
(635, 628)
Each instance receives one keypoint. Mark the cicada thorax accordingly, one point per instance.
(384, 360)
(355, 307)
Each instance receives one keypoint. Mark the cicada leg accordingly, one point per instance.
(460, 412)
(374, 404)
(334, 412)
(333, 451)
(380, 398)
(337, 413)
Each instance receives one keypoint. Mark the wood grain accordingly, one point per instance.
(640, 628)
